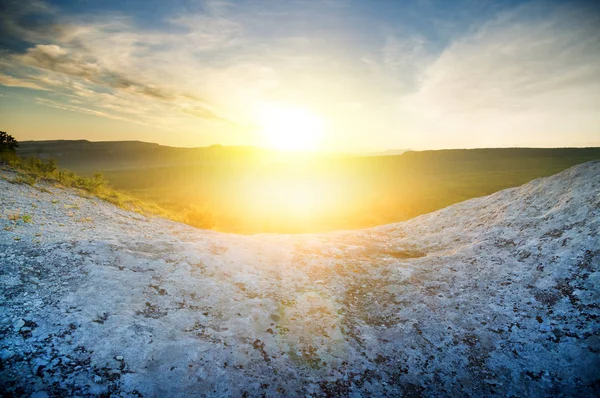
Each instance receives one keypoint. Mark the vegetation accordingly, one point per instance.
(33, 169)
(248, 190)
(8, 146)
(7, 143)
(200, 217)
(320, 194)
(14, 216)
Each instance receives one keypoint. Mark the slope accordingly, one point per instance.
(493, 296)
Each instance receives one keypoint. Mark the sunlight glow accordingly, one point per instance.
(290, 129)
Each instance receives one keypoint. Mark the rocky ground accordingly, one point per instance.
(493, 296)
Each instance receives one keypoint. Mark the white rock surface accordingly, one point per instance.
(493, 296)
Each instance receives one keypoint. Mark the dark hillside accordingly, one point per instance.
(88, 157)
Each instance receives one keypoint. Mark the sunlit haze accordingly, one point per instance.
(339, 75)
(300, 198)
(290, 128)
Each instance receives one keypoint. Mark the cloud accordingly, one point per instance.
(512, 61)
(213, 63)
(400, 61)
(54, 58)
(10, 81)
(109, 59)
(209, 65)
(81, 109)
(531, 66)
(57, 59)
(31, 20)
(205, 33)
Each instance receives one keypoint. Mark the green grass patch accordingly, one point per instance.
(31, 170)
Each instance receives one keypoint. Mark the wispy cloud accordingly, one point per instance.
(81, 109)
(512, 61)
(527, 74)
(10, 81)
(535, 67)
(31, 20)
(108, 63)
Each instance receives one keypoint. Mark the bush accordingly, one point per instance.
(34, 168)
(31, 169)
(24, 179)
(8, 143)
(66, 177)
(94, 184)
(199, 217)
(9, 158)
(37, 165)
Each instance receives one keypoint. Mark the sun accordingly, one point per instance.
(290, 129)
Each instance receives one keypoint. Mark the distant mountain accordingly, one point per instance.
(389, 152)
(83, 155)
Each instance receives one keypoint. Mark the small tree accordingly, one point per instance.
(7, 142)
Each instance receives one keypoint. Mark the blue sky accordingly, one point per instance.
(380, 74)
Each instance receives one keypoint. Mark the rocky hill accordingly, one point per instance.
(498, 295)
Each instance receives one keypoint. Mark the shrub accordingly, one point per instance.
(9, 158)
(24, 179)
(7, 143)
(37, 165)
(66, 177)
(94, 184)
(199, 217)
(31, 169)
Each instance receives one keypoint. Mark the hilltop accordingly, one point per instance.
(494, 296)
(87, 156)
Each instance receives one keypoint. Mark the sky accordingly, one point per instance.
(368, 75)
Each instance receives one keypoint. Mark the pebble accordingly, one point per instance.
(97, 379)
(119, 358)
(18, 324)
(6, 354)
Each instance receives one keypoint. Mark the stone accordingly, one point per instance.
(18, 324)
